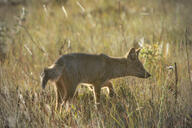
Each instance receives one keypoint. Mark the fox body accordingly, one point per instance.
(75, 68)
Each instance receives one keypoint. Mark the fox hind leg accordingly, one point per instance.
(97, 89)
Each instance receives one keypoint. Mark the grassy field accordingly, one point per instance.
(43, 31)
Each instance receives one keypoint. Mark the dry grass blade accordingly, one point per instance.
(176, 81)
(187, 52)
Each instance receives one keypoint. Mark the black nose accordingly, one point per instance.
(147, 75)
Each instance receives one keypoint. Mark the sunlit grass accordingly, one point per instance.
(102, 26)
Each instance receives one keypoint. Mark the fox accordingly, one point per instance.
(72, 69)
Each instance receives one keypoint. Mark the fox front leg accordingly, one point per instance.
(59, 97)
(110, 87)
(97, 91)
(61, 92)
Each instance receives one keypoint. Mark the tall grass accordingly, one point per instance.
(43, 32)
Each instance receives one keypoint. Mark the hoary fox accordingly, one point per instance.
(72, 69)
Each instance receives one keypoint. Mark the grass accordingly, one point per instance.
(111, 27)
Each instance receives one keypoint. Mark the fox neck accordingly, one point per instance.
(118, 68)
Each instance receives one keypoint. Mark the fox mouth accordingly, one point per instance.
(146, 75)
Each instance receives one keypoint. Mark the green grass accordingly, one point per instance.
(108, 27)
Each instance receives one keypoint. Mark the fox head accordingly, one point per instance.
(51, 73)
(136, 68)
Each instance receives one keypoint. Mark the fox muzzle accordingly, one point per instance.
(147, 75)
(44, 82)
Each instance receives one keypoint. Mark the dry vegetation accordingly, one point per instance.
(43, 31)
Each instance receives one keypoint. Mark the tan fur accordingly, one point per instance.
(75, 68)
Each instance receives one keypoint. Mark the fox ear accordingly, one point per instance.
(132, 54)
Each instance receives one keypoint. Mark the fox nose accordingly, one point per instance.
(147, 75)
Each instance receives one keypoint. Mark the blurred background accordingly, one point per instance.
(34, 33)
